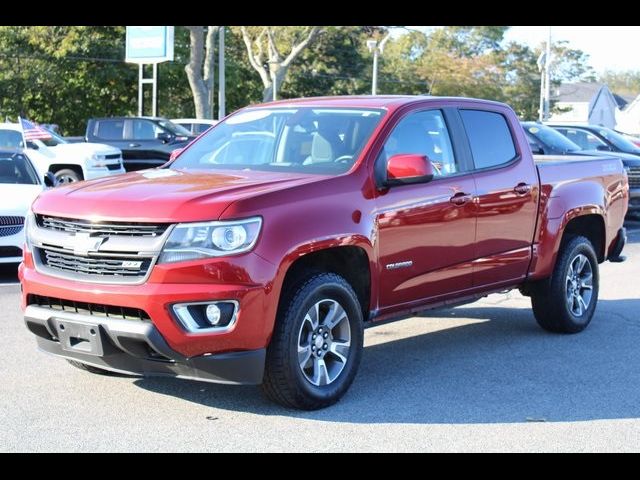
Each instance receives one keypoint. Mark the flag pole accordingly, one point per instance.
(24, 140)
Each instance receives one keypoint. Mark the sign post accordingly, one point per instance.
(149, 45)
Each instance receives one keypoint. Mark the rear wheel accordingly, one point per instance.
(67, 175)
(566, 303)
(316, 346)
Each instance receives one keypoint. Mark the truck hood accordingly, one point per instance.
(21, 196)
(83, 150)
(163, 195)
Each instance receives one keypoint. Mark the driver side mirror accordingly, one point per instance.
(164, 136)
(50, 180)
(603, 148)
(409, 168)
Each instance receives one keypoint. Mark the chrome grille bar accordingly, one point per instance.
(100, 228)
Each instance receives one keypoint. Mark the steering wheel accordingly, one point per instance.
(343, 158)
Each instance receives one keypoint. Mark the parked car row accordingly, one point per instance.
(68, 162)
(589, 140)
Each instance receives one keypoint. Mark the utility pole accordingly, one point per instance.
(547, 79)
(377, 50)
(221, 78)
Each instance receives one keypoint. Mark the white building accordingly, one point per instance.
(629, 118)
(587, 103)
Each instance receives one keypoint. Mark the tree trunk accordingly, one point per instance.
(273, 64)
(202, 58)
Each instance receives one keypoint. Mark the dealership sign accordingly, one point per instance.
(149, 44)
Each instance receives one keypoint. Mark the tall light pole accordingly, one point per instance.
(547, 80)
(544, 65)
(377, 49)
(221, 73)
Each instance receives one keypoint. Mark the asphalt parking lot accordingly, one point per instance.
(481, 377)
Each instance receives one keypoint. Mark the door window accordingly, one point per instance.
(489, 138)
(422, 133)
(587, 140)
(145, 130)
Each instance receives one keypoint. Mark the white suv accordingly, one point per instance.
(20, 184)
(69, 162)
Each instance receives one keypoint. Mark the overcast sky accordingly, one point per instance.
(609, 48)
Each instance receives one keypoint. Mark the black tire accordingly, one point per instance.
(284, 380)
(92, 369)
(67, 175)
(549, 299)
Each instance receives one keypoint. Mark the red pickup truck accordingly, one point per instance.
(260, 253)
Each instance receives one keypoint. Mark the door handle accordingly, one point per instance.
(134, 145)
(522, 188)
(461, 198)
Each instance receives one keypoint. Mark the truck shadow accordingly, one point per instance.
(500, 369)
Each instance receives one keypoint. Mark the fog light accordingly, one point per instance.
(202, 317)
(213, 314)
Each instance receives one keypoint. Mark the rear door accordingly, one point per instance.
(507, 195)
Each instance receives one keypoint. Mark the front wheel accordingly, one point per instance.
(316, 346)
(567, 302)
(66, 175)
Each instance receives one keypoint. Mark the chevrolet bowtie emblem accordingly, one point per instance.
(83, 243)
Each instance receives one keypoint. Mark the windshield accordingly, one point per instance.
(173, 128)
(15, 168)
(305, 139)
(50, 142)
(620, 142)
(551, 138)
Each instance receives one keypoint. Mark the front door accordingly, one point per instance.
(427, 230)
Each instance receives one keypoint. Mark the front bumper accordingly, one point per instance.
(91, 173)
(247, 279)
(135, 347)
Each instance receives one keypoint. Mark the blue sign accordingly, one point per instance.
(149, 44)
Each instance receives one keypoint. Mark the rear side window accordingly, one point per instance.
(110, 129)
(489, 138)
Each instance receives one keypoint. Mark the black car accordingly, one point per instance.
(593, 137)
(145, 142)
(545, 140)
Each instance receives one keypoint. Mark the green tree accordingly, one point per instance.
(623, 83)
(65, 75)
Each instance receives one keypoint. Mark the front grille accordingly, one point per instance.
(94, 309)
(11, 221)
(634, 177)
(7, 252)
(113, 166)
(10, 225)
(99, 264)
(112, 156)
(8, 231)
(100, 228)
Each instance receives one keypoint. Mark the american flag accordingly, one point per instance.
(32, 131)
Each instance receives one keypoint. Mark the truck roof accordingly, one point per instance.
(370, 101)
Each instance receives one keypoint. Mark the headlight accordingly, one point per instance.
(96, 161)
(190, 241)
(29, 224)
